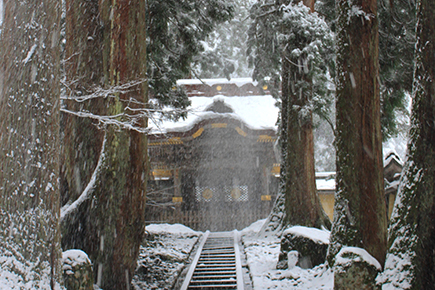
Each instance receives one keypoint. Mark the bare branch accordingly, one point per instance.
(267, 13)
(104, 93)
(128, 122)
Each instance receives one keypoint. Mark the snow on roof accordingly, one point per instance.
(323, 184)
(257, 112)
(325, 180)
(311, 233)
(210, 82)
(392, 155)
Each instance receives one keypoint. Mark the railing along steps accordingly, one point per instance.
(216, 264)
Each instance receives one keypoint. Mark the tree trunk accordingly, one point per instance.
(412, 231)
(82, 138)
(275, 220)
(297, 202)
(359, 210)
(121, 190)
(302, 203)
(29, 141)
(108, 50)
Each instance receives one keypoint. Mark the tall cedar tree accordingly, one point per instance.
(302, 204)
(359, 210)
(224, 55)
(29, 141)
(97, 56)
(82, 139)
(412, 231)
(297, 202)
(106, 47)
(396, 56)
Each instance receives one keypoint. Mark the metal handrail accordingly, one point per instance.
(195, 260)
(239, 273)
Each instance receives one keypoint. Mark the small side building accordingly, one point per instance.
(393, 166)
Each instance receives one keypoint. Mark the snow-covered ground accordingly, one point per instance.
(262, 257)
(163, 256)
(167, 250)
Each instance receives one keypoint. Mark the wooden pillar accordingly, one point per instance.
(177, 198)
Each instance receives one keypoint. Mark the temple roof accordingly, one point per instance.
(256, 112)
(211, 82)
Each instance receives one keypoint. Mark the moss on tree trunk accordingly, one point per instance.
(111, 53)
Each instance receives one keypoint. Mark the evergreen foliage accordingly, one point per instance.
(224, 52)
(397, 23)
(175, 34)
(326, 8)
(283, 31)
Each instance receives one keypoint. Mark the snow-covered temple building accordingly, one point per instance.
(218, 169)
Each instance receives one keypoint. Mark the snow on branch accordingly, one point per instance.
(86, 194)
(122, 121)
(104, 93)
(133, 110)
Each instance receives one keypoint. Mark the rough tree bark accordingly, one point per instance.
(121, 191)
(297, 195)
(302, 203)
(82, 138)
(412, 231)
(359, 210)
(106, 48)
(29, 140)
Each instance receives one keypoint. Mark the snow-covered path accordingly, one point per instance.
(167, 253)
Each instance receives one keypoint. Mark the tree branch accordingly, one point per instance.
(68, 209)
(100, 92)
(114, 119)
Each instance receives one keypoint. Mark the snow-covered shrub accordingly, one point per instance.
(310, 243)
(77, 270)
